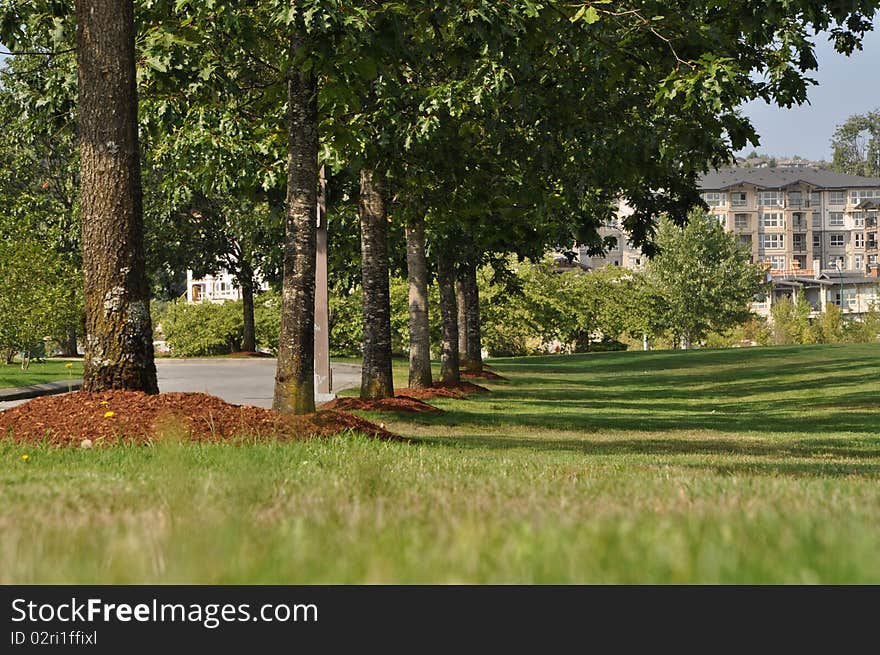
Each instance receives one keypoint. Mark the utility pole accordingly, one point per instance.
(323, 374)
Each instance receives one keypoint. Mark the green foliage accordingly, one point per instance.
(867, 330)
(754, 332)
(347, 319)
(38, 296)
(541, 307)
(856, 145)
(706, 280)
(829, 327)
(204, 329)
(791, 321)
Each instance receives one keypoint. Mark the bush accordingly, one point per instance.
(202, 329)
(217, 329)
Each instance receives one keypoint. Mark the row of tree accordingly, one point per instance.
(474, 129)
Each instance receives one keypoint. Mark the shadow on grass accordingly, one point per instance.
(812, 390)
(777, 456)
(868, 448)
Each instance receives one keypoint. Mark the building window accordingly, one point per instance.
(714, 199)
(858, 262)
(745, 240)
(855, 197)
(721, 218)
(770, 198)
(815, 199)
(859, 219)
(817, 241)
(837, 198)
(836, 241)
(771, 219)
(872, 260)
(795, 198)
(835, 219)
(772, 241)
(738, 199)
(859, 239)
(777, 262)
(817, 219)
(741, 220)
(836, 263)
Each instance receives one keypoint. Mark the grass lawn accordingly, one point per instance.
(49, 370)
(735, 466)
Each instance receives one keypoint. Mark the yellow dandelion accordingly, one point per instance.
(25, 457)
(103, 402)
(68, 365)
(109, 414)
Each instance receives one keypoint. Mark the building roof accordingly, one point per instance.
(777, 178)
(847, 277)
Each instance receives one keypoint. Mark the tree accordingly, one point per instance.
(706, 278)
(856, 145)
(419, 326)
(791, 321)
(119, 334)
(376, 377)
(35, 298)
(295, 376)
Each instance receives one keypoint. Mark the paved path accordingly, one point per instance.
(237, 381)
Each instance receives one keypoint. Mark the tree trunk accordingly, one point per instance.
(119, 332)
(419, 329)
(249, 338)
(462, 322)
(474, 361)
(449, 362)
(295, 373)
(69, 347)
(376, 377)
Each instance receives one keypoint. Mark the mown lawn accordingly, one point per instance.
(49, 370)
(736, 466)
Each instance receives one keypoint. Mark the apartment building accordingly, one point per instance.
(621, 253)
(814, 230)
(798, 221)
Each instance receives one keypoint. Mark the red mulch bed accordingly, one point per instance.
(463, 387)
(486, 375)
(395, 404)
(431, 392)
(70, 418)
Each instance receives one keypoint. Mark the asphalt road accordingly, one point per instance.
(237, 381)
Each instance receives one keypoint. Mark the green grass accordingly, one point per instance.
(49, 370)
(735, 466)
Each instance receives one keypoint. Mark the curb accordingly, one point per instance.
(36, 390)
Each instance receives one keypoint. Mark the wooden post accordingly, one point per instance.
(323, 374)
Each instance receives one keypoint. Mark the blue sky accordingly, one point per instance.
(847, 86)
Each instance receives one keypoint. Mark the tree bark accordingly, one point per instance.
(119, 332)
(376, 377)
(419, 329)
(474, 346)
(462, 322)
(249, 338)
(295, 372)
(449, 361)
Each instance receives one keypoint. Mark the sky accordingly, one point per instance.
(847, 86)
